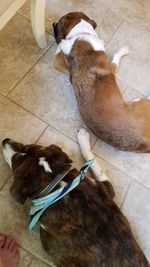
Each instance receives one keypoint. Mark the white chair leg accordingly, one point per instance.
(38, 21)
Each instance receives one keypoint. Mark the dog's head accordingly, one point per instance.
(67, 22)
(33, 167)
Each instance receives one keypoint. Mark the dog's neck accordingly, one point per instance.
(82, 31)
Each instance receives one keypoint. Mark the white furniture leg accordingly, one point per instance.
(38, 21)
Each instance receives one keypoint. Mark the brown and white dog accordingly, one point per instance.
(124, 125)
(84, 229)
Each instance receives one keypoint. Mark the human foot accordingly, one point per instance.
(9, 253)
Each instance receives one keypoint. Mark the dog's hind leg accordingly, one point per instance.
(117, 57)
(84, 142)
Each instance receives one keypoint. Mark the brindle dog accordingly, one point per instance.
(84, 229)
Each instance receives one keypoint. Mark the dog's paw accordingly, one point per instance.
(103, 177)
(124, 51)
(83, 136)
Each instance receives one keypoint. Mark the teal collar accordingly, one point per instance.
(39, 205)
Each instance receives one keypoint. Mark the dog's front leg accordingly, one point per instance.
(84, 142)
(124, 51)
(61, 61)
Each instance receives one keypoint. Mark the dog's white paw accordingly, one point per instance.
(83, 137)
(124, 51)
(103, 177)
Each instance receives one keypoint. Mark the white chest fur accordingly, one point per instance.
(82, 31)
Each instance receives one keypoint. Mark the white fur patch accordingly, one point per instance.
(45, 164)
(124, 51)
(84, 142)
(82, 31)
(136, 100)
(8, 153)
(63, 183)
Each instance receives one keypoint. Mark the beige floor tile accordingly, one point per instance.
(119, 180)
(137, 209)
(137, 11)
(107, 20)
(4, 171)
(18, 52)
(130, 94)
(122, 86)
(17, 217)
(135, 165)
(48, 94)
(39, 263)
(25, 258)
(134, 68)
(25, 8)
(18, 124)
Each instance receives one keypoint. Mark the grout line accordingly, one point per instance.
(140, 183)
(45, 263)
(135, 91)
(24, 12)
(129, 185)
(29, 19)
(126, 174)
(92, 146)
(27, 253)
(2, 187)
(36, 257)
(33, 114)
(114, 32)
(127, 19)
(41, 134)
(16, 84)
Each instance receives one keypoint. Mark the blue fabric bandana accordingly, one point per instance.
(39, 205)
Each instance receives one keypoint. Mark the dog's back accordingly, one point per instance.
(88, 229)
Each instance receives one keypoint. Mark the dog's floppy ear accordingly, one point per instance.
(93, 23)
(61, 62)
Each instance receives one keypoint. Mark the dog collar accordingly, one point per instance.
(39, 205)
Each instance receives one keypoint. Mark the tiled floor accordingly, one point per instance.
(37, 104)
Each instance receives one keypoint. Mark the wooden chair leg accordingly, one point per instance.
(38, 21)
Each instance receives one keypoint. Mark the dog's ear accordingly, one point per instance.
(61, 62)
(93, 23)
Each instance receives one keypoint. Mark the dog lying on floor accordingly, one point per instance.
(84, 228)
(81, 52)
